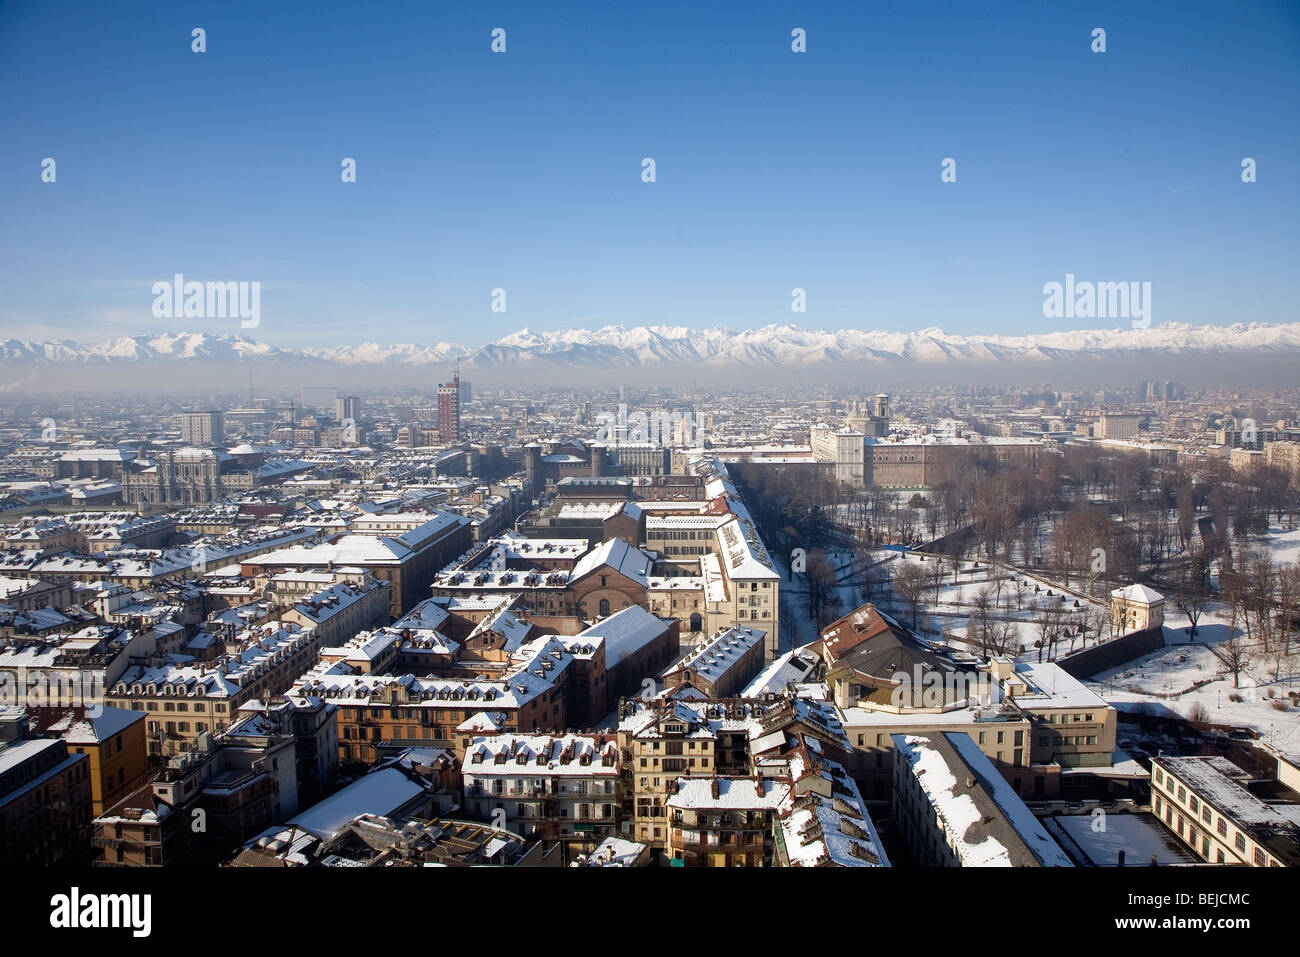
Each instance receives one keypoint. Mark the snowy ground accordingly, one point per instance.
(1182, 675)
(947, 619)
(1176, 677)
(1283, 544)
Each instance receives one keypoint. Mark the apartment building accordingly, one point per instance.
(182, 702)
(1286, 456)
(1072, 726)
(824, 821)
(843, 448)
(340, 611)
(724, 821)
(955, 809)
(659, 742)
(1204, 801)
(45, 797)
(678, 735)
(723, 664)
(407, 559)
(155, 826)
(311, 724)
(376, 711)
(70, 669)
(113, 740)
(553, 788)
(202, 428)
(1118, 425)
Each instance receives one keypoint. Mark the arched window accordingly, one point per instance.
(604, 607)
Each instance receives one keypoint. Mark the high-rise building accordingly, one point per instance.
(347, 407)
(320, 398)
(449, 410)
(202, 428)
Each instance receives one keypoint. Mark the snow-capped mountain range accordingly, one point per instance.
(615, 346)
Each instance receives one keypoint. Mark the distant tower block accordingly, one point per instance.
(347, 407)
(449, 411)
(880, 407)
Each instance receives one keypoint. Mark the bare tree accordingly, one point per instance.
(1049, 632)
(1288, 603)
(822, 579)
(1237, 657)
(875, 579)
(935, 572)
(1020, 586)
(910, 584)
(1193, 593)
(980, 624)
(1094, 620)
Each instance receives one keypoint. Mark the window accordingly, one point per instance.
(1240, 842)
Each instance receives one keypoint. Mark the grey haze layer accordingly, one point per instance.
(1256, 354)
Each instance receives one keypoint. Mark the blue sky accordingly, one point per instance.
(522, 170)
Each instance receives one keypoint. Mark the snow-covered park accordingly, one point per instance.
(1183, 677)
